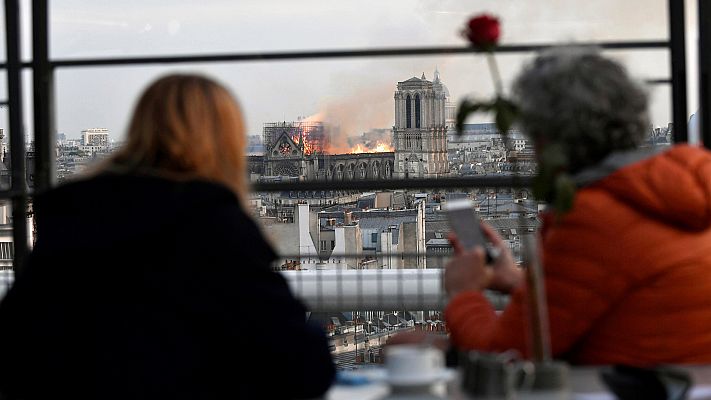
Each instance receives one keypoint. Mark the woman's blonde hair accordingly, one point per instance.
(185, 127)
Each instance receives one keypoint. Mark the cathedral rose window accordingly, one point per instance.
(284, 148)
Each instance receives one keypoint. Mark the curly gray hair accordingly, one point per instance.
(583, 102)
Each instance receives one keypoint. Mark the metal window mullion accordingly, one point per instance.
(354, 53)
(412, 183)
(677, 43)
(43, 89)
(17, 140)
(704, 116)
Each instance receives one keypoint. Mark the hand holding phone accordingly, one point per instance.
(466, 225)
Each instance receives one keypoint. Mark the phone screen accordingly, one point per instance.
(465, 223)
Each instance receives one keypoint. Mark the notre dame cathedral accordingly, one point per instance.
(423, 113)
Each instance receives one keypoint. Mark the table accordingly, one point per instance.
(585, 385)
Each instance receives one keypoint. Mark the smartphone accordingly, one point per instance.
(466, 225)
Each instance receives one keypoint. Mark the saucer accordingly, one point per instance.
(443, 375)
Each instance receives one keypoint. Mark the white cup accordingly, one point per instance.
(414, 365)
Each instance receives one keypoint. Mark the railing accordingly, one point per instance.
(380, 290)
(338, 290)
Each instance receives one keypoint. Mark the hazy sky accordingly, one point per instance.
(356, 93)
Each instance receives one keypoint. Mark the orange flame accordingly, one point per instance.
(380, 147)
(308, 134)
(359, 149)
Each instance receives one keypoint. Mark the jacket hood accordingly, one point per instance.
(673, 186)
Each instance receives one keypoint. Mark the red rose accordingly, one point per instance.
(483, 31)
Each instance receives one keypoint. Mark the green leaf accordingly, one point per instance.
(542, 184)
(503, 121)
(551, 162)
(466, 107)
(564, 193)
(553, 184)
(506, 114)
(553, 156)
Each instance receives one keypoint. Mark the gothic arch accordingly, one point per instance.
(418, 111)
(362, 170)
(388, 169)
(375, 169)
(408, 111)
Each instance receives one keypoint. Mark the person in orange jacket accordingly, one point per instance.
(627, 262)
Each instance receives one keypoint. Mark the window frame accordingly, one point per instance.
(43, 68)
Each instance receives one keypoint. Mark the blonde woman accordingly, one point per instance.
(149, 280)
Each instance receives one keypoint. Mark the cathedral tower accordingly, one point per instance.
(420, 131)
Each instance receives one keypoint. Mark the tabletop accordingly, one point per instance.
(368, 384)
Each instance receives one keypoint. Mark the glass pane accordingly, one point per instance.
(339, 120)
(692, 64)
(331, 113)
(3, 53)
(324, 110)
(130, 28)
(23, 139)
(25, 12)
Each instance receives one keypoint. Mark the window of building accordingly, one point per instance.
(408, 111)
(417, 111)
(374, 237)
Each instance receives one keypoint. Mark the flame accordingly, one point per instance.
(359, 149)
(315, 138)
(308, 132)
(380, 147)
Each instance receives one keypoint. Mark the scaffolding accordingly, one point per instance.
(309, 136)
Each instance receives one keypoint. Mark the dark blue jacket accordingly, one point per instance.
(141, 287)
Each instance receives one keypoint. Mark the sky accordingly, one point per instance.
(355, 93)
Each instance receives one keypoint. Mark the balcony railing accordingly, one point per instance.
(371, 290)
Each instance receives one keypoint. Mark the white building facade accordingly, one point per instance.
(96, 138)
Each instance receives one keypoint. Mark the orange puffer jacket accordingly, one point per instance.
(627, 272)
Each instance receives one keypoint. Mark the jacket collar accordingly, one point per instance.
(612, 163)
